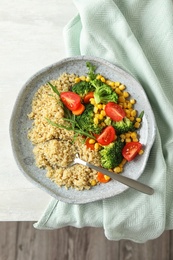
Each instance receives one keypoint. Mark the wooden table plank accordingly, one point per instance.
(151, 250)
(19, 240)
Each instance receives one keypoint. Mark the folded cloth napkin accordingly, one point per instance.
(138, 36)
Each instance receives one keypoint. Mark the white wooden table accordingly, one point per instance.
(31, 37)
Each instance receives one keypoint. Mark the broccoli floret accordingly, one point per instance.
(103, 92)
(86, 120)
(108, 121)
(82, 88)
(123, 126)
(111, 155)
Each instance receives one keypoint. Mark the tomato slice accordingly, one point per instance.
(114, 111)
(107, 136)
(71, 100)
(88, 145)
(130, 150)
(79, 111)
(87, 97)
(102, 178)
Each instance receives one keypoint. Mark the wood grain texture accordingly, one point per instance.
(151, 250)
(20, 241)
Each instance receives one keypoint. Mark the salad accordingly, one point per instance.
(103, 113)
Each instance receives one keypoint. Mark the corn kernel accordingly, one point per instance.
(103, 113)
(131, 118)
(132, 101)
(135, 140)
(107, 178)
(137, 125)
(83, 78)
(111, 84)
(77, 80)
(125, 104)
(138, 119)
(91, 141)
(122, 87)
(93, 182)
(99, 76)
(122, 136)
(108, 82)
(121, 99)
(141, 152)
(118, 91)
(129, 105)
(97, 116)
(117, 84)
(100, 116)
(92, 101)
(133, 135)
(128, 135)
(95, 109)
(125, 94)
(103, 79)
(100, 106)
(96, 146)
(133, 113)
(117, 169)
(87, 79)
(127, 113)
(128, 140)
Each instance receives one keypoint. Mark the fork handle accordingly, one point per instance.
(125, 180)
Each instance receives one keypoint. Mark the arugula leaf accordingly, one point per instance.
(73, 127)
(58, 125)
(141, 115)
(53, 88)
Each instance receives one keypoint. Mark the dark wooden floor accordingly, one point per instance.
(20, 241)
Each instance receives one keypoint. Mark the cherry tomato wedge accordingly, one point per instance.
(107, 136)
(114, 111)
(71, 100)
(102, 178)
(79, 111)
(130, 150)
(87, 97)
(88, 145)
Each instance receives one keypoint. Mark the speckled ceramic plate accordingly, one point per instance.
(20, 124)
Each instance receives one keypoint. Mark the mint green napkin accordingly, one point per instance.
(138, 36)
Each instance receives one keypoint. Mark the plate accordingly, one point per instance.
(22, 147)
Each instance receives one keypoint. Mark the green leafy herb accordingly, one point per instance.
(91, 70)
(141, 115)
(53, 88)
(73, 127)
(82, 88)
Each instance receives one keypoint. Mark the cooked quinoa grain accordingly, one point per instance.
(55, 147)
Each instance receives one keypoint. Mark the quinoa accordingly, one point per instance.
(55, 147)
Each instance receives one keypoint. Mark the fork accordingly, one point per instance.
(120, 178)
